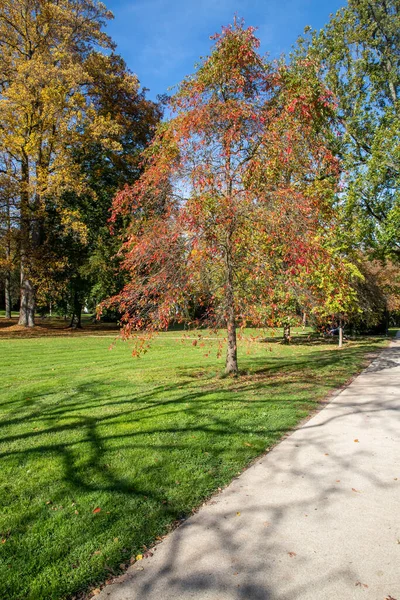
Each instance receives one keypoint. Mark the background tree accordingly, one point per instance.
(360, 53)
(238, 186)
(91, 273)
(52, 53)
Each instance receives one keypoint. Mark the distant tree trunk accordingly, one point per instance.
(286, 333)
(7, 284)
(28, 296)
(27, 308)
(8, 295)
(76, 320)
(386, 321)
(304, 319)
(231, 353)
(340, 333)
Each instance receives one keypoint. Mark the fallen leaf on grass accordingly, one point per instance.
(139, 557)
(96, 510)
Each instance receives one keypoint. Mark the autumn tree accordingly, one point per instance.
(89, 273)
(51, 55)
(359, 50)
(237, 188)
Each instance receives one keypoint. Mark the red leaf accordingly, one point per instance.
(97, 510)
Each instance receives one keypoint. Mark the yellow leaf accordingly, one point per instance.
(139, 557)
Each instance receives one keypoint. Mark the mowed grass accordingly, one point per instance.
(144, 440)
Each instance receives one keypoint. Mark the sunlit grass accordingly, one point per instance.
(143, 440)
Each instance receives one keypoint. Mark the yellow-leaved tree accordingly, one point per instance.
(51, 52)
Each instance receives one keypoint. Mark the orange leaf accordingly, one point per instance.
(97, 510)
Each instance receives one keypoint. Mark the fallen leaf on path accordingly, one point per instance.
(354, 490)
(238, 514)
(96, 592)
(139, 557)
(292, 554)
(363, 585)
(390, 598)
(356, 440)
(96, 510)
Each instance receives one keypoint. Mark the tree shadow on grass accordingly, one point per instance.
(257, 555)
(131, 455)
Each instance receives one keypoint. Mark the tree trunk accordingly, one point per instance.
(231, 366)
(231, 351)
(28, 296)
(304, 319)
(7, 285)
(340, 333)
(286, 333)
(27, 308)
(386, 321)
(8, 295)
(77, 314)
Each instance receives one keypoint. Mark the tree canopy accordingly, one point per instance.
(236, 195)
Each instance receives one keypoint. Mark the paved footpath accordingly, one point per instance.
(317, 518)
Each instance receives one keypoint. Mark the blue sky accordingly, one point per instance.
(161, 40)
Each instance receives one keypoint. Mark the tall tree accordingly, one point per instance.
(51, 53)
(237, 187)
(360, 53)
(89, 272)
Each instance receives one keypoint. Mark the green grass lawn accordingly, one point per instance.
(144, 440)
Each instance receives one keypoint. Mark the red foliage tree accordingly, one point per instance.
(236, 193)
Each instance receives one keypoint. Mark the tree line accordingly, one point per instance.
(272, 190)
